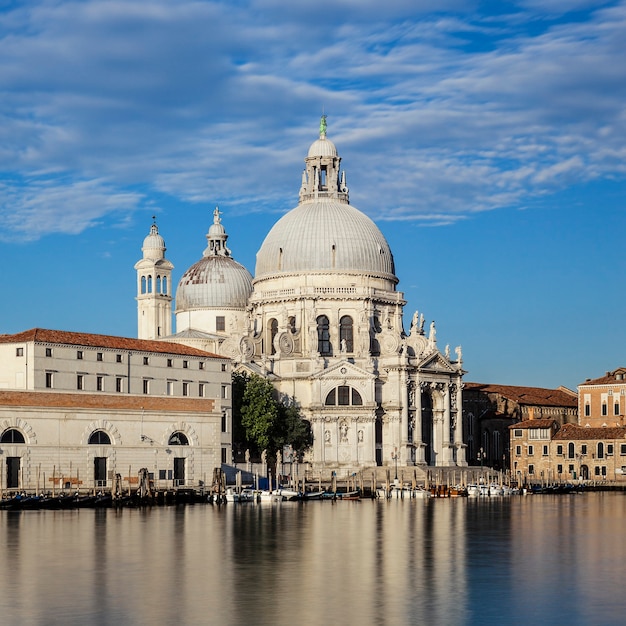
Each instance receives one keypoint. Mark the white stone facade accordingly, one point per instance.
(77, 409)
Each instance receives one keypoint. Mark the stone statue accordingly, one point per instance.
(327, 436)
(360, 436)
(432, 337)
(247, 456)
(343, 432)
(415, 322)
(264, 457)
(459, 354)
(344, 346)
(448, 351)
(323, 125)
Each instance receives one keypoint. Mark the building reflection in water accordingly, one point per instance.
(489, 561)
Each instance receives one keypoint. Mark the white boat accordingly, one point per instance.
(231, 495)
(473, 491)
(495, 490)
(289, 494)
(269, 496)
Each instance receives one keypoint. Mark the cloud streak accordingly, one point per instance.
(439, 111)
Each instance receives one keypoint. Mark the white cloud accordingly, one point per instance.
(437, 115)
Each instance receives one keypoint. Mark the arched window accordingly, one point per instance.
(164, 285)
(149, 284)
(273, 332)
(345, 333)
(158, 284)
(178, 439)
(600, 450)
(570, 450)
(99, 437)
(143, 284)
(323, 336)
(12, 435)
(343, 396)
(292, 323)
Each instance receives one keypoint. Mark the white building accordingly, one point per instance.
(322, 319)
(77, 408)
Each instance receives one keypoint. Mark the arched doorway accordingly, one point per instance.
(427, 427)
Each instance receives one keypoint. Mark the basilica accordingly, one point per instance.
(322, 319)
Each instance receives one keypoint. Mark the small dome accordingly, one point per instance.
(322, 147)
(153, 245)
(214, 281)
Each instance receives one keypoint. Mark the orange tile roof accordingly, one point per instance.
(46, 399)
(573, 431)
(540, 423)
(608, 378)
(42, 335)
(536, 396)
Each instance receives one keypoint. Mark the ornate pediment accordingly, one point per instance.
(343, 371)
(438, 363)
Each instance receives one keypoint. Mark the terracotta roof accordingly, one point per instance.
(573, 431)
(536, 396)
(42, 335)
(104, 401)
(608, 378)
(542, 423)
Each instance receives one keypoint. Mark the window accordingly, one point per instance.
(48, 351)
(596, 470)
(224, 368)
(517, 432)
(118, 385)
(19, 351)
(518, 450)
(539, 433)
(49, 380)
(622, 449)
(559, 469)
(118, 358)
(79, 355)
(531, 469)
(178, 439)
(201, 390)
(12, 435)
(604, 470)
(146, 386)
(583, 448)
(343, 396)
(99, 383)
(185, 389)
(587, 410)
(169, 362)
(99, 437)
(224, 422)
(604, 408)
(185, 364)
(346, 333)
(80, 380)
(531, 450)
(570, 451)
(323, 336)
(201, 366)
(609, 449)
(223, 455)
(146, 360)
(98, 356)
(600, 450)
(616, 408)
(559, 450)
(170, 388)
(273, 326)
(545, 451)
(220, 323)
(224, 392)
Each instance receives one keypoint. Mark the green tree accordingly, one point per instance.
(261, 422)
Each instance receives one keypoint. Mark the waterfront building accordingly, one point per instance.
(602, 401)
(76, 409)
(322, 319)
(489, 410)
(544, 451)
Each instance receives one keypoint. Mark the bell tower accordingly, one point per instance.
(154, 288)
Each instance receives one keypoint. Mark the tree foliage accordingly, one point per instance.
(261, 421)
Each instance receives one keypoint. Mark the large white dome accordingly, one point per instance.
(325, 235)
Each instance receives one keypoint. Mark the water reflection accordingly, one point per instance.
(540, 559)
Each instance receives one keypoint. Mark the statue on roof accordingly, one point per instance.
(323, 126)
(216, 215)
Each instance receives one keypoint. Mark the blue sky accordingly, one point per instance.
(488, 145)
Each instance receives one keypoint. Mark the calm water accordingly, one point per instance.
(532, 560)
